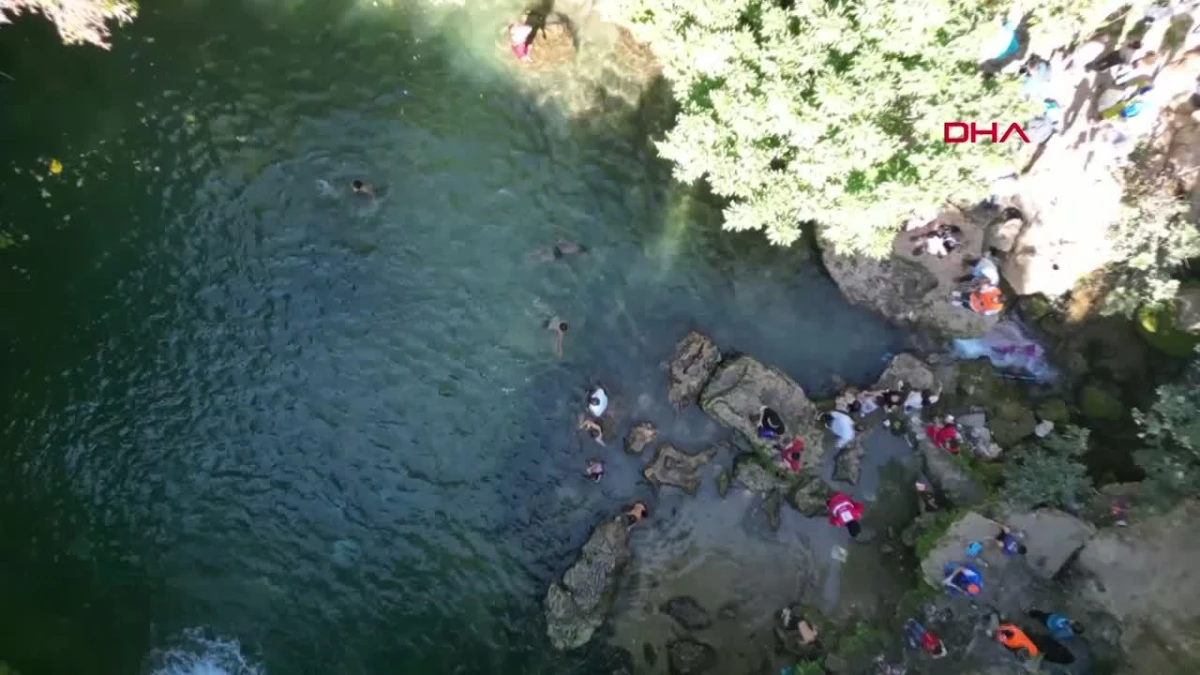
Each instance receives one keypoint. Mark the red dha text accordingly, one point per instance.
(962, 132)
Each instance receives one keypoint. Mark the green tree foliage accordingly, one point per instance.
(1171, 430)
(1153, 239)
(833, 112)
(1050, 474)
(78, 21)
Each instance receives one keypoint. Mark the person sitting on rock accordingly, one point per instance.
(964, 579)
(845, 400)
(770, 424)
(592, 428)
(597, 402)
(520, 36)
(842, 426)
(919, 398)
(359, 187)
(1059, 625)
(865, 403)
(940, 242)
(984, 270)
(806, 631)
(635, 513)
(921, 638)
(789, 457)
(927, 499)
(845, 512)
(1009, 542)
(595, 470)
(560, 328)
(890, 399)
(944, 435)
(987, 301)
(1016, 641)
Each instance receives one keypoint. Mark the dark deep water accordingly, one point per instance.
(254, 424)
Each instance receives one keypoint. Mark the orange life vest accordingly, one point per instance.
(1015, 639)
(987, 301)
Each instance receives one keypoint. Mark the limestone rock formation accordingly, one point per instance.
(672, 466)
(912, 290)
(847, 466)
(951, 548)
(1146, 576)
(641, 435)
(947, 475)
(749, 472)
(689, 657)
(910, 370)
(810, 497)
(741, 386)
(696, 357)
(687, 612)
(576, 606)
(1053, 538)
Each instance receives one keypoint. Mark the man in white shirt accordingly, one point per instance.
(841, 425)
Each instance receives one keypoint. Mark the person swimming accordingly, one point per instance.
(562, 249)
(592, 428)
(635, 513)
(360, 187)
(598, 402)
(520, 35)
(595, 470)
(559, 327)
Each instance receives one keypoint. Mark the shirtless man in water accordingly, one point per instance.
(560, 328)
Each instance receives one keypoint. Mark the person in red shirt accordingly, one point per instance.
(944, 435)
(923, 638)
(789, 457)
(845, 511)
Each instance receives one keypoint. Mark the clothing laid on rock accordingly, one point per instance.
(1009, 543)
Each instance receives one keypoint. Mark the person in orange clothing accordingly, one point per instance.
(1016, 641)
(988, 300)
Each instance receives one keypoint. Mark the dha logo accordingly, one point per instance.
(963, 132)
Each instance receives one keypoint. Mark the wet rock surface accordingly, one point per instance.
(847, 466)
(1053, 538)
(577, 605)
(639, 437)
(909, 370)
(749, 472)
(947, 474)
(696, 358)
(690, 657)
(810, 497)
(687, 612)
(672, 466)
(739, 389)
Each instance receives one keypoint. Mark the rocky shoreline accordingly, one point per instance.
(1107, 578)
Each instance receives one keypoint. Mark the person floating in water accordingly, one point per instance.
(598, 402)
(562, 249)
(770, 424)
(560, 328)
(360, 187)
(635, 513)
(520, 36)
(845, 512)
(595, 470)
(592, 428)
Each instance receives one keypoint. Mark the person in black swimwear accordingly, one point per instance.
(770, 424)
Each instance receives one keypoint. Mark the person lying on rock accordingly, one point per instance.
(635, 513)
(595, 470)
(983, 270)
(939, 242)
(927, 499)
(920, 398)
(1016, 641)
(770, 424)
(921, 638)
(890, 399)
(789, 457)
(963, 579)
(592, 428)
(988, 300)
(845, 512)
(1059, 625)
(1008, 542)
(806, 631)
(944, 434)
(865, 403)
(842, 426)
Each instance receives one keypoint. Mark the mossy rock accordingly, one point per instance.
(1035, 307)
(1156, 324)
(1010, 422)
(722, 482)
(1056, 410)
(1099, 403)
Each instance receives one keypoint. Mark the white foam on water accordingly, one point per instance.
(198, 652)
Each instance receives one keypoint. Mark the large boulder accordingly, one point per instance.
(641, 435)
(577, 606)
(672, 466)
(914, 290)
(749, 472)
(810, 497)
(948, 475)
(847, 466)
(1146, 576)
(907, 369)
(740, 388)
(1053, 538)
(696, 357)
(952, 546)
(689, 657)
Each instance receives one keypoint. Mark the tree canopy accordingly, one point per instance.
(1171, 430)
(833, 111)
(78, 21)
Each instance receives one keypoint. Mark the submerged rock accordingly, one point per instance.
(577, 606)
(672, 466)
(685, 610)
(810, 497)
(641, 435)
(722, 482)
(772, 506)
(749, 472)
(913, 290)
(740, 387)
(696, 357)
(689, 657)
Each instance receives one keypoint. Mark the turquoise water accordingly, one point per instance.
(254, 423)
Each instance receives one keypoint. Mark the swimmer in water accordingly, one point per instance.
(598, 402)
(560, 328)
(592, 428)
(562, 249)
(359, 187)
(635, 513)
(595, 470)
